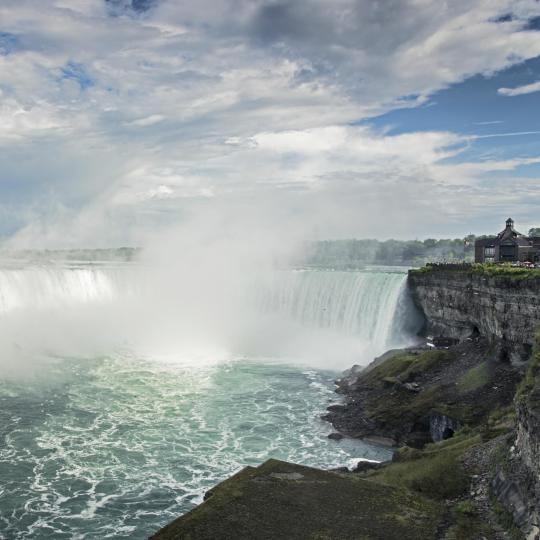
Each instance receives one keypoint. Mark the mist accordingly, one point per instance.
(193, 295)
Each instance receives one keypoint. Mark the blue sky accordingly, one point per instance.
(505, 126)
(498, 126)
(356, 118)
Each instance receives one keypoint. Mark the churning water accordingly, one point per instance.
(116, 444)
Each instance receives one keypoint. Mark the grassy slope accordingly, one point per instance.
(285, 501)
(437, 472)
(449, 383)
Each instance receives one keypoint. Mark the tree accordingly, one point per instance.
(535, 231)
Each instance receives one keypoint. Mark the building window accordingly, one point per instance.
(489, 252)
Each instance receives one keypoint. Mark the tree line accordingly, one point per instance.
(353, 252)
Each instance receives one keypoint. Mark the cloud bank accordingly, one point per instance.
(118, 118)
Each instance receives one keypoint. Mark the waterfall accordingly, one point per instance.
(336, 316)
(41, 287)
(363, 304)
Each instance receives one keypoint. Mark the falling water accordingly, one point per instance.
(362, 304)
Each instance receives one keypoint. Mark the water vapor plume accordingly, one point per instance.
(224, 284)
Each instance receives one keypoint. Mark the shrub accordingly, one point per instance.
(474, 378)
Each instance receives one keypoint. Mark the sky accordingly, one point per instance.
(344, 118)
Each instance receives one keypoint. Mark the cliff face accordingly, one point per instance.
(458, 304)
(526, 448)
(505, 309)
(527, 443)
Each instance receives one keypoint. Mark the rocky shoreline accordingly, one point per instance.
(420, 395)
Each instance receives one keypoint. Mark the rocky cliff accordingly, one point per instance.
(502, 306)
(517, 482)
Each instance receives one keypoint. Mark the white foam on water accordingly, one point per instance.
(134, 438)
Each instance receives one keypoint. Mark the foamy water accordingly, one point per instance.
(122, 445)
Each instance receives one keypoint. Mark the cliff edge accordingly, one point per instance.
(501, 304)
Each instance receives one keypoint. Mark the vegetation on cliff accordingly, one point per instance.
(353, 253)
(481, 269)
(416, 392)
(529, 388)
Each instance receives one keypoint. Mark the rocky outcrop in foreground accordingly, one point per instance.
(283, 501)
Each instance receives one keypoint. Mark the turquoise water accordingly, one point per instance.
(116, 447)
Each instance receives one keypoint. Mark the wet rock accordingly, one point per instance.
(442, 427)
(381, 441)
(335, 436)
(412, 387)
(364, 466)
(336, 408)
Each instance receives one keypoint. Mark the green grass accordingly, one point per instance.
(485, 269)
(465, 508)
(475, 378)
(506, 521)
(467, 524)
(529, 388)
(406, 367)
(283, 501)
(436, 471)
(491, 269)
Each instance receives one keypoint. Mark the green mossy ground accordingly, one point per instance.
(405, 367)
(281, 500)
(466, 383)
(516, 273)
(434, 471)
(474, 378)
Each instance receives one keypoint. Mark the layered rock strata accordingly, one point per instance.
(459, 304)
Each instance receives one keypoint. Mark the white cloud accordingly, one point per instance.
(148, 121)
(234, 101)
(520, 90)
